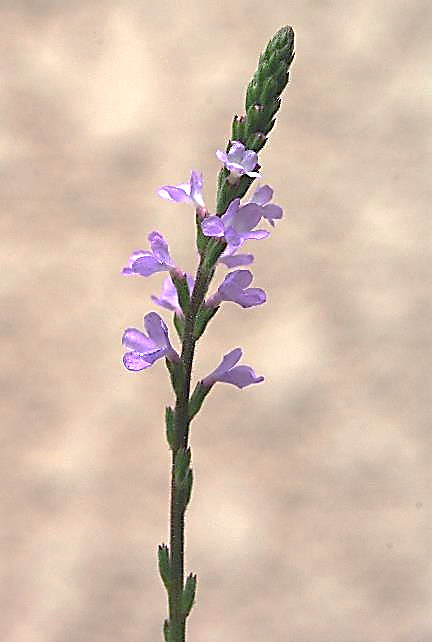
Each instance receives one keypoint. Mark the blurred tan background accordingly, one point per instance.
(311, 516)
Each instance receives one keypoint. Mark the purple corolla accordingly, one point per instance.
(262, 196)
(236, 225)
(235, 288)
(147, 262)
(145, 349)
(185, 192)
(228, 372)
(168, 298)
(239, 160)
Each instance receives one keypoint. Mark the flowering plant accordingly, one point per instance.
(219, 238)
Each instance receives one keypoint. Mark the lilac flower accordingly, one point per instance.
(147, 262)
(185, 192)
(262, 196)
(145, 349)
(235, 288)
(239, 160)
(236, 225)
(228, 372)
(169, 298)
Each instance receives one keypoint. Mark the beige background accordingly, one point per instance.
(311, 516)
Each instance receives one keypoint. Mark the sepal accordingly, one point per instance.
(188, 594)
(164, 565)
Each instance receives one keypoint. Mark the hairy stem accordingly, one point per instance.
(177, 621)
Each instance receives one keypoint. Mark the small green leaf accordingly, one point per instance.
(176, 371)
(166, 631)
(170, 426)
(181, 285)
(179, 324)
(181, 463)
(201, 239)
(186, 488)
(202, 318)
(188, 594)
(197, 399)
(164, 565)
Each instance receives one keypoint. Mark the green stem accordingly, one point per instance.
(177, 621)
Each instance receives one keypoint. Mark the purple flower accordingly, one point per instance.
(228, 372)
(239, 160)
(145, 349)
(262, 196)
(185, 192)
(236, 225)
(157, 259)
(235, 288)
(169, 298)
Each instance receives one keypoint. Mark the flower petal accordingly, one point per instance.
(239, 278)
(173, 193)
(222, 156)
(156, 329)
(272, 212)
(159, 247)
(135, 361)
(262, 195)
(133, 257)
(196, 185)
(257, 235)
(251, 297)
(249, 160)
(241, 376)
(236, 152)
(230, 213)
(136, 340)
(147, 265)
(236, 259)
(247, 218)
(212, 226)
(228, 361)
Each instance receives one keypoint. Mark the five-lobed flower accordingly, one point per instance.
(236, 226)
(185, 192)
(228, 372)
(239, 161)
(145, 349)
(235, 288)
(147, 262)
